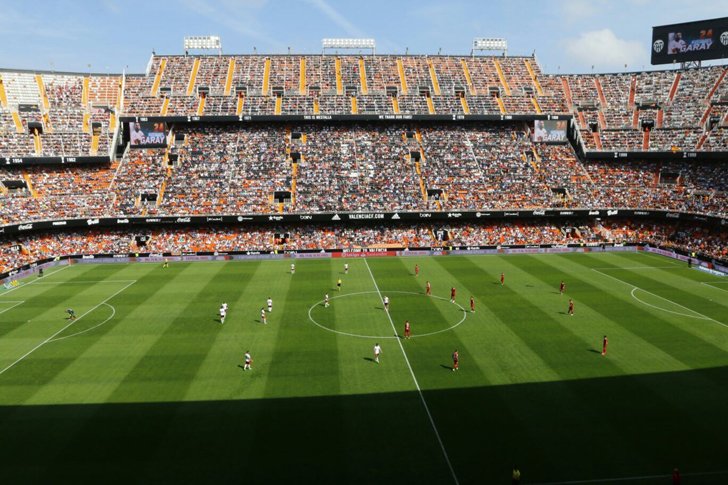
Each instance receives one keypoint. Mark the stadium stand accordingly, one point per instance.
(406, 163)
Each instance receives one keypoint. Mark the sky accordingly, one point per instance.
(567, 36)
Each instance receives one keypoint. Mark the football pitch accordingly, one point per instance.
(146, 385)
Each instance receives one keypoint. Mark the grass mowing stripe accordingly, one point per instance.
(664, 331)
(61, 330)
(552, 343)
(662, 297)
(45, 305)
(417, 385)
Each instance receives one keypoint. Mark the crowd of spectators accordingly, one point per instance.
(30, 248)
(678, 102)
(226, 169)
(382, 76)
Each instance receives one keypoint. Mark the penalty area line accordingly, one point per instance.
(417, 384)
(62, 329)
(635, 287)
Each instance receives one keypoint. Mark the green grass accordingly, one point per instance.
(147, 386)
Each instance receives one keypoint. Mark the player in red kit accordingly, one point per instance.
(407, 331)
(571, 307)
(604, 345)
(562, 287)
(428, 289)
(472, 305)
(503, 279)
(452, 295)
(417, 270)
(455, 360)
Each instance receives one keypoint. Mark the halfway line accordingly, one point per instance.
(417, 384)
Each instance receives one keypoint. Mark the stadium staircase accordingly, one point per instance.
(266, 77)
(240, 104)
(567, 93)
(536, 106)
(602, 120)
(363, 76)
(302, 77)
(201, 105)
(501, 106)
(94, 150)
(354, 106)
(29, 184)
(316, 107)
(42, 92)
(418, 164)
(660, 118)
(464, 103)
(158, 77)
(84, 92)
(402, 77)
(339, 81)
(86, 126)
(632, 92)
(502, 77)
(433, 77)
(600, 92)
(3, 95)
(229, 77)
(395, 105)
(534, 78)
(717, 84)
(673, 88)
(47, 123)
(646, 140)
(37, 143)
(19, 128)
(193, 76)
(701, 141)
(279, 105)
(165, 106)
(597, 140)
(430, 104)
(468, 79)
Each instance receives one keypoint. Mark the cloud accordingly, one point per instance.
(603, 49)
(337, 18)
(578, 10)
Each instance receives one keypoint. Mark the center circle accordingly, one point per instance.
(415, 323)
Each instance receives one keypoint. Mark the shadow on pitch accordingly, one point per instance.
(370, 359)
(178, 441)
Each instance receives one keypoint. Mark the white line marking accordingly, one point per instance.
(61, 330)
(658, 296)
(627, 479)
(712, 284)
(417, 384)
(113, 312)
(700, 317)
(465, 314)
(17, 302)
(35, 280)
(84, 282)
(674, 266)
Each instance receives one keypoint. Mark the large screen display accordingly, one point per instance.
(691, 41)
(147, 134)
(549, 131)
